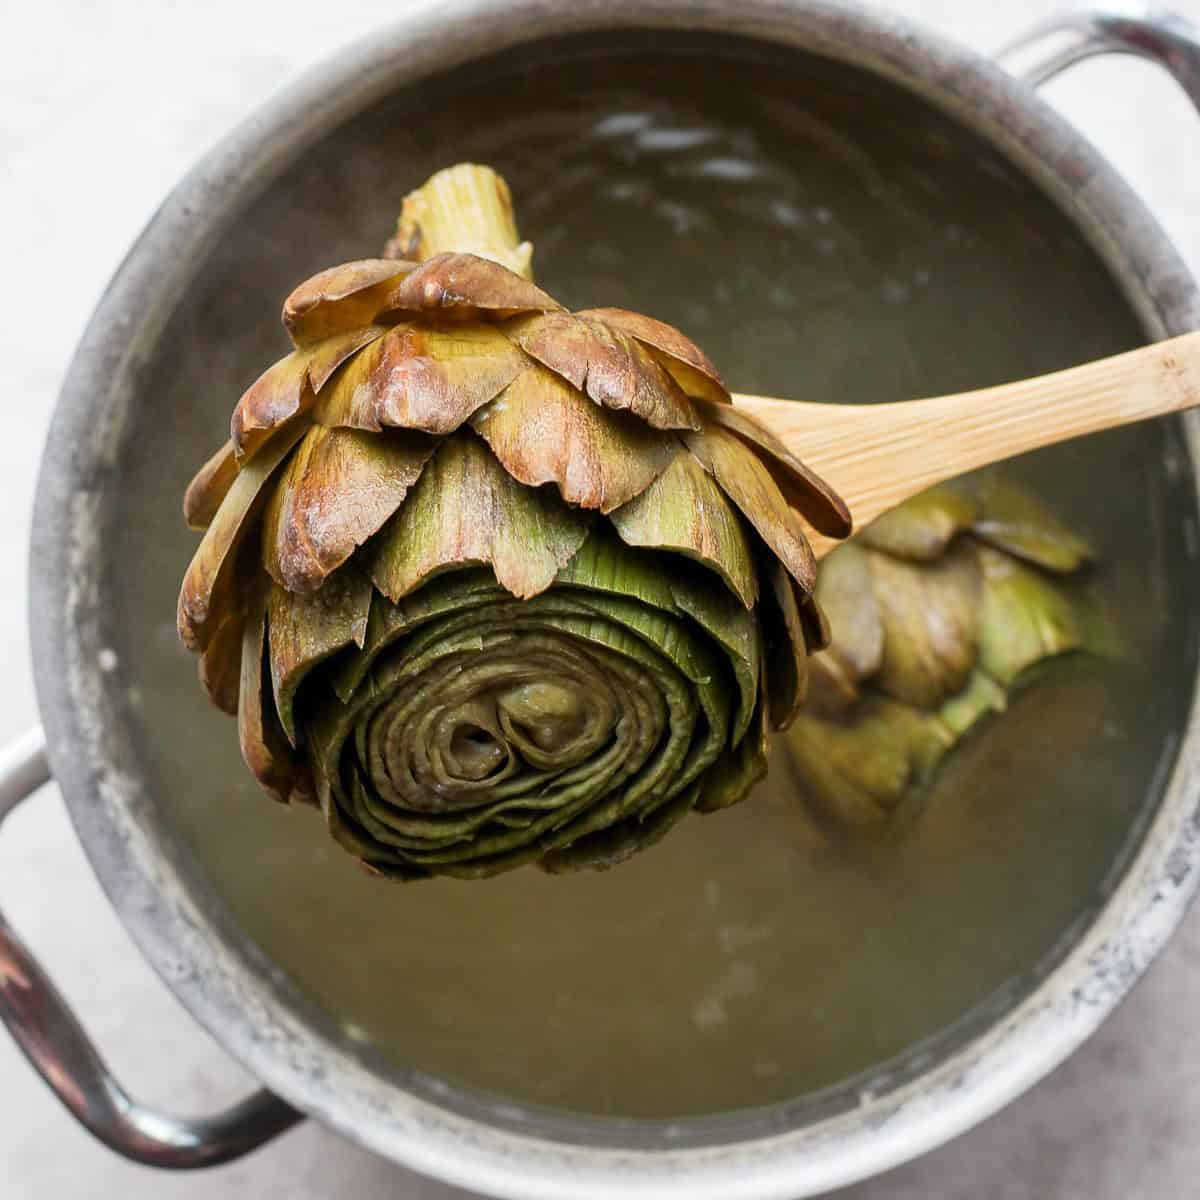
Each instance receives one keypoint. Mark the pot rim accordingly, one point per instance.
(236, 999)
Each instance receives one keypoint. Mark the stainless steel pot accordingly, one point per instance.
(497, 1149)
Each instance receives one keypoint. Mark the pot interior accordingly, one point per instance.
(823, 235)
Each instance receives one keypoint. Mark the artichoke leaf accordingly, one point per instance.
(209, 487)
(339, 488)
(923, 526)
(466, 285)
(341, 299)
(684, 510)
(544, 431)
(672, 349)
(929, 615)
(803, 488)
(203, 597)
(305, 629)
(273, 762)
(220, 664)
(749, 484)
(608, 366)
(466, 509)
(1025, 618)
(1013, 520)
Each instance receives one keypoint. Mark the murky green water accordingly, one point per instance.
(822, 237)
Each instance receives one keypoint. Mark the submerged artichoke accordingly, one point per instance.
(489, 581)
(937, 608)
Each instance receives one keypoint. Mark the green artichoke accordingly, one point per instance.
(492, 582)
(937, 609)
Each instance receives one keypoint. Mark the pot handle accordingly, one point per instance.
(60, 1051)
(1069, 37)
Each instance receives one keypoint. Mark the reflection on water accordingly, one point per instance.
(822, 238)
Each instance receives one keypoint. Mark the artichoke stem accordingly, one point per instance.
(465, 208)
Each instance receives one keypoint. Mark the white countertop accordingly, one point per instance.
(103, 104)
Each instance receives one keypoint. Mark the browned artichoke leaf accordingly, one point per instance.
(544, 431)
(785, 656)
(341, 299)
(803, 489)
(328, 355)
(288, 388)
(1014, 520)
(929, 613)
(466, 509)
(435, 378)
(426, 377)
(608, 366)
(220, 664)
(279, 393)
(684, 510)
(209, 487)
(672, 349)
(1025, 617)
(466, 285)
(745, 480)
(203, 594)
(339, 488)
(305, 629)
(276, 766)
(922, 527)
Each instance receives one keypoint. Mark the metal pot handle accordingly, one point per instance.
(55, 1043)
(1150, 32)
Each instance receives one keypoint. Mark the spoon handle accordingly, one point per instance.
(876, 455)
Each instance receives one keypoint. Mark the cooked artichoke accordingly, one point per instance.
(489, 581)
(936, 609)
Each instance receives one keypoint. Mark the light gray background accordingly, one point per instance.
(102, 106)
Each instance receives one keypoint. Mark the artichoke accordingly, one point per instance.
(491, 582)
(938, 609)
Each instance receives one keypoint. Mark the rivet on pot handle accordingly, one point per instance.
(55, 1043)
(1149, 32)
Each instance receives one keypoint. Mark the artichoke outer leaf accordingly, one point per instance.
(272, 761)
(1013, 520)
(220, 664)
(930, 615)
(923, 526)
(421, 377)
(744, 479)
(846, 592)
(209, 487)
(608, 847)
(467, 510)
(785, 658)
(305, 629)
(674, 351)
(467, 285)
(1025, 617)
(339, 488)
(341, 299)
(608, 366)
(544, 431)
(684, 510)
(802, 487)
(204, 597)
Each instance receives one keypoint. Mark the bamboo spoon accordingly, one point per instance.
(876, 455)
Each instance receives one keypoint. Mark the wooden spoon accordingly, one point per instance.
(876, 455)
